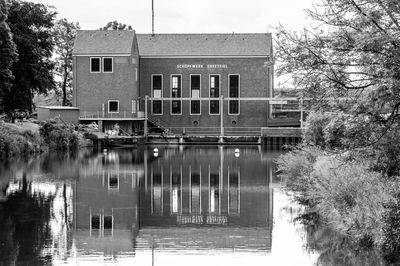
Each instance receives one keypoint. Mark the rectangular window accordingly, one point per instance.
(195, 85)
(94, 65)
(134, 106)
(113, 106)
(176, 92)
(107, 64)
(214, 93)
(157, 87)
(234, 89)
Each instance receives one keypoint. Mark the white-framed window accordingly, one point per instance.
(113, 106)
(157, 92)
(214, 92)
(95, 65)
(108, 64)
(134, 106)
(113, 181)
(195, 93)
(176, 92)
(234, 92)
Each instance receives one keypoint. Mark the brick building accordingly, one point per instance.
(178, 81)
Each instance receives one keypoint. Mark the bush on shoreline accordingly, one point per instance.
(348, 196)
(15, 142)
(59, 136)
(346, 171)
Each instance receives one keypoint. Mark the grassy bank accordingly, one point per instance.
(26, 138)
(350, 189)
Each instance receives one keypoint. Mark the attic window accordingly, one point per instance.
(94, 65)
(107, 65)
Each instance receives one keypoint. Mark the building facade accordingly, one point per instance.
(178, 81)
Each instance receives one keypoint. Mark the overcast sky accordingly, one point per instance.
(187, 16)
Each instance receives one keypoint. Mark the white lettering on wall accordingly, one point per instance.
(200, 66)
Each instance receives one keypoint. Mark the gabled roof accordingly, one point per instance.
(235, 44)
(104, 42)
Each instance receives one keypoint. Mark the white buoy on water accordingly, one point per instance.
(155, 150)
(237, 150)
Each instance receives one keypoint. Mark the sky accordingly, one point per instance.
(187, 16)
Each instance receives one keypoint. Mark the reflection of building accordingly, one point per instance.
(106, 203)
(211, 189)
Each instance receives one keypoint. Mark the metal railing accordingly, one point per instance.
(212, 131)
(106, 115)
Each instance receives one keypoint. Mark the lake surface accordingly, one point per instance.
(183, 205)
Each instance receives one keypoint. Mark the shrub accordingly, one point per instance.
(15, 142)
(59, 136)
(344, 191)
(390, 243)
(350, 196)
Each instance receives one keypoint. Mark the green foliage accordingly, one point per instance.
(295, 169)
(343, 191)
(31, 26)
(16, 143)
(390, 245)
(115, 25)
(8, 54)
(64, 33)
(59, 136)
(351, 61)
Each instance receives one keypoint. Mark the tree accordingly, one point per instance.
(64, 33)
(350, 61)
(8, 54)
(115, 25)
(31, 25)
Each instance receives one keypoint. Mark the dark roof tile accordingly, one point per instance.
(235, 44)
(103, 42)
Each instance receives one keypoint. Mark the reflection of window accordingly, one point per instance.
(176, 192)
(195, 192)
(234, 93)
(195, 93)
(157, 86)
(113, 181)
(176, 92)
(95, 222)
(214, 192)
(101, 224)
(157, 194)
(214, 93)
(108, 222)
(234, 192)
(107, 65)
(95, 65)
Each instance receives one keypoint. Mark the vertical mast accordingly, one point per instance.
(152, 17)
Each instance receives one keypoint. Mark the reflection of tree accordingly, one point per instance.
(336, 249)
(25, 230)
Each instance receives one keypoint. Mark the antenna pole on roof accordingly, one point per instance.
(152, 17)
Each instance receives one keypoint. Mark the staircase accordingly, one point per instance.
(156, 125)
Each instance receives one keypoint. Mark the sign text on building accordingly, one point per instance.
(197, 66)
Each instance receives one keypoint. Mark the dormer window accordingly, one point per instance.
(95, 65)
(107, 64)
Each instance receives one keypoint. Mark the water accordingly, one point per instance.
(179, 205)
